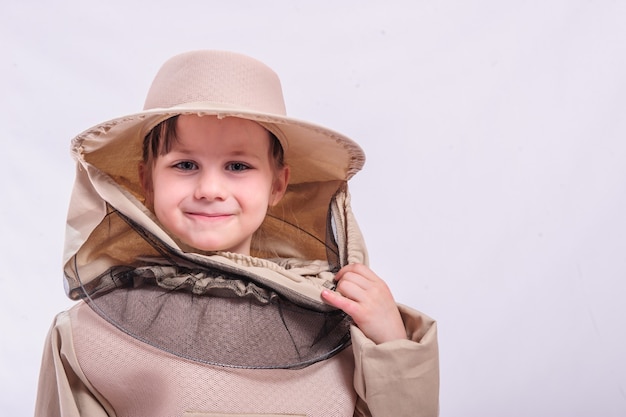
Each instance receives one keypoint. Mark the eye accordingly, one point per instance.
(186, 166)
(237, 166)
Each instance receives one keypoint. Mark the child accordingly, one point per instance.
(222, 271)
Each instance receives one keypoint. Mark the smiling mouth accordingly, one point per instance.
(215, 216)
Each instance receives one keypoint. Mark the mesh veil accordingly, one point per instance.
(214, 315)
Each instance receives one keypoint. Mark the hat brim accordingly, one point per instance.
(314, 153)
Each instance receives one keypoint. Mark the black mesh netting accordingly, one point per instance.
(208, 316)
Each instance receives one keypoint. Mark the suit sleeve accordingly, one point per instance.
(63, 388)
(399, 378)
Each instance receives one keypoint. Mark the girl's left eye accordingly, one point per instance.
(186, 165)
(237, 166)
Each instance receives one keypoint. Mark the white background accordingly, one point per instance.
(493, 198)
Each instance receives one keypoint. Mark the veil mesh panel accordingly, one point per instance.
(225, 329)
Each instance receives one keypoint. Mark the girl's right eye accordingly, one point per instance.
(186, 166)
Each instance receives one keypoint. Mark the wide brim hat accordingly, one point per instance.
(223, 84)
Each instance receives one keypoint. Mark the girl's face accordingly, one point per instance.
(213, 188)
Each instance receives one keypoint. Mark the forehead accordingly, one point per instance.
(229, 130)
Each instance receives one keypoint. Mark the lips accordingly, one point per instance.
(209, 215)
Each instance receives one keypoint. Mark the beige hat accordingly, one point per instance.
(224, 84)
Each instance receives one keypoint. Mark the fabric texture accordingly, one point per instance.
(91, 368)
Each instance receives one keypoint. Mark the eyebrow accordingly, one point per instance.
(179, 148)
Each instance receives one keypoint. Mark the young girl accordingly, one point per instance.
(222, 271)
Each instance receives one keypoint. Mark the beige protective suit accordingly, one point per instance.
(162, 330)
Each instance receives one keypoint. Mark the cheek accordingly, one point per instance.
(165, 206)
(164, 192)
(255, 195)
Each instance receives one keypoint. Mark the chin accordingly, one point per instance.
(215, 248)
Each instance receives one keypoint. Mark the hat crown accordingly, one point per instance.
(224, 79)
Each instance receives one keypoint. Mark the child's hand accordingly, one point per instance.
(368, 300)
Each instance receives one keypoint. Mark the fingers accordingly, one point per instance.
(359, 292)
(358, 282)
(367, 299)
(337, 300)
(352, 283)
(358, 269)
(352, 280)
(352, 288)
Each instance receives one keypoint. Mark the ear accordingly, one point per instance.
(279, 187)
(145, 179)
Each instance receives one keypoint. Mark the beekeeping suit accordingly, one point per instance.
(161, 329)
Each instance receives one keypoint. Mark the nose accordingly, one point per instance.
(210, 185)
